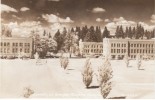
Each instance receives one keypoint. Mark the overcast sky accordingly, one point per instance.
(79, 12)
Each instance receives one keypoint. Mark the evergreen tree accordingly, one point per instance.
(64, 32)
(72, 30)
(49, 36)
(153, 34)
(93, 35)
(84, 31)
(98, 34)
(44, 33)
(126, 34)
(88, 37)
(121, 32)
(130, 33)
(105, 33)
(117, 32)
(58, 39)
(134, 32)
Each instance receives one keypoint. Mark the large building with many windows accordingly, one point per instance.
(15, 47)
(120, 47)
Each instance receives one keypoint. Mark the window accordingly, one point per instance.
(122, 45)
(28, 50)
(8, 50)
(16, 44)
(122, 50)
(4, 50)
(4, 44)
(8, 44)
(20, 49)
(134, 45)
(1, 43)
(134, 50)
(25, 44)
(131, 45)
(1, 50)
(21, 44)
(111, 50)
(16, 50)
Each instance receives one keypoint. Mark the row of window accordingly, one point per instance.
(15, 44)
(118, 45)
(118, 50)
(5, 44)
(93, 51)
(141, 45)
(141, 51)
(14, 50)
(93, 46)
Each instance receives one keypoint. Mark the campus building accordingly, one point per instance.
(15, 47)
(118, 48)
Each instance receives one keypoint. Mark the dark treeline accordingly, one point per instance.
(94, 34)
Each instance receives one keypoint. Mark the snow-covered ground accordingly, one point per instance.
(49, 80)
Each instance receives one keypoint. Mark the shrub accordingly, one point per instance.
(105, 74)
(87, 73)
(64, 62)
(139, 62)
(28, 92)
(105, 88)
(126, 58)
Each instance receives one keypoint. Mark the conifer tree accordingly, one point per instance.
(105, 33)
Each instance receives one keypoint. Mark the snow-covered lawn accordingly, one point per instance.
(50, 80)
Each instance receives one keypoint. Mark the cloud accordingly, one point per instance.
(146, 26)
(55, 19)
(118, 19)
(24, 9)
(125, 23)
(153, 18)
(106, 20)
(6, 8)
(99, 20)
(24, 28)
(98, 10)
(30, 23)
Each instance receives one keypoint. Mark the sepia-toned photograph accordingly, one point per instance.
(77, 49)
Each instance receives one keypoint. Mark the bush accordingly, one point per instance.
(105, 74)
(87, 73)
(64, 62)
(126, 58)
(28, 92)
(139, 62)
(105, 89)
